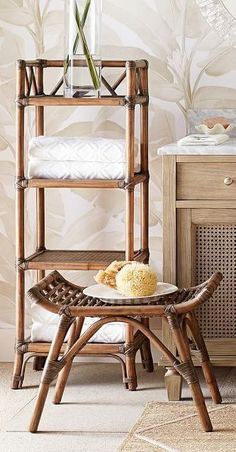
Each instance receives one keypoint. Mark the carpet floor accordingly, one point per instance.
(175, 427)
(96, 413)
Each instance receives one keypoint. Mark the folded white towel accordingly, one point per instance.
(109, 333)
(44, 326)
(45, 169)
(203, 140)
(103, 150)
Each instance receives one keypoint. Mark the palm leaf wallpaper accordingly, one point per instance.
(189, 67)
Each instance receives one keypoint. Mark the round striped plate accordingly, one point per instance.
(112, 296)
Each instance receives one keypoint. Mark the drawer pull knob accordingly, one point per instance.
(228, 181)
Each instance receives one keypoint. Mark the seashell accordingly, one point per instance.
(217, 129)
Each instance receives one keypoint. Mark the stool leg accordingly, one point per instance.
(39, 405)
(145, 350)
(64, 374)
(173, 380)
(187, 370)
(205, 360)
(51, 370)
(130, 359)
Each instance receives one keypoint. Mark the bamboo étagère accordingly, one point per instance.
(128, 90)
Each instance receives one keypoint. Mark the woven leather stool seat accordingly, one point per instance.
(61, 297)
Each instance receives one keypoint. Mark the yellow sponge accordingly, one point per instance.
(136, 280)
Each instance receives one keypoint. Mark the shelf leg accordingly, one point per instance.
(20, 327)
(129, 254)
(130, 359)
(39, 361)
(144, 140)
(144, 197)
(20, 218)
(40, 192)
(20, 290)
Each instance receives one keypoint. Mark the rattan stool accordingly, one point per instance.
(59, 296)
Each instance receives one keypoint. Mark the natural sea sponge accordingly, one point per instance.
(130, 278)
(108, 276)
(136, 280)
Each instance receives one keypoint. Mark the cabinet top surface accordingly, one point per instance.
(228, 148)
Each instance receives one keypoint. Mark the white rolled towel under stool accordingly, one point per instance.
(44, 326)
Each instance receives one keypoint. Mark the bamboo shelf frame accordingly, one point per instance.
(105, 101)
(94, 183)
(75, 260)
(31, 93)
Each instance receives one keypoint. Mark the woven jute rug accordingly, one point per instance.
(174, 427)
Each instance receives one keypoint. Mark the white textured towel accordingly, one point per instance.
(42, 169)
(44, 326)
(102, 150)
(77, 158)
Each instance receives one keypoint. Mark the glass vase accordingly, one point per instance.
(82, 65)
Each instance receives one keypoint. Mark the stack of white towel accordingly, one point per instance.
(77, 158)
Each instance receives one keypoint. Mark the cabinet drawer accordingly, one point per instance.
(206, 181)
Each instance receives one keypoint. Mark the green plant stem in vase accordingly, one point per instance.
(82, 67)
(76, 43)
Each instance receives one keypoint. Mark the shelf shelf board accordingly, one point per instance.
(85, 183)
(76, 260)
(47, 101)
(94, 348)
(44, 100)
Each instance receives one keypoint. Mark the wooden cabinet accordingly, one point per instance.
(199, 237)
(206, 181)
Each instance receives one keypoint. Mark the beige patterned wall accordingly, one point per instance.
(189, 67)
